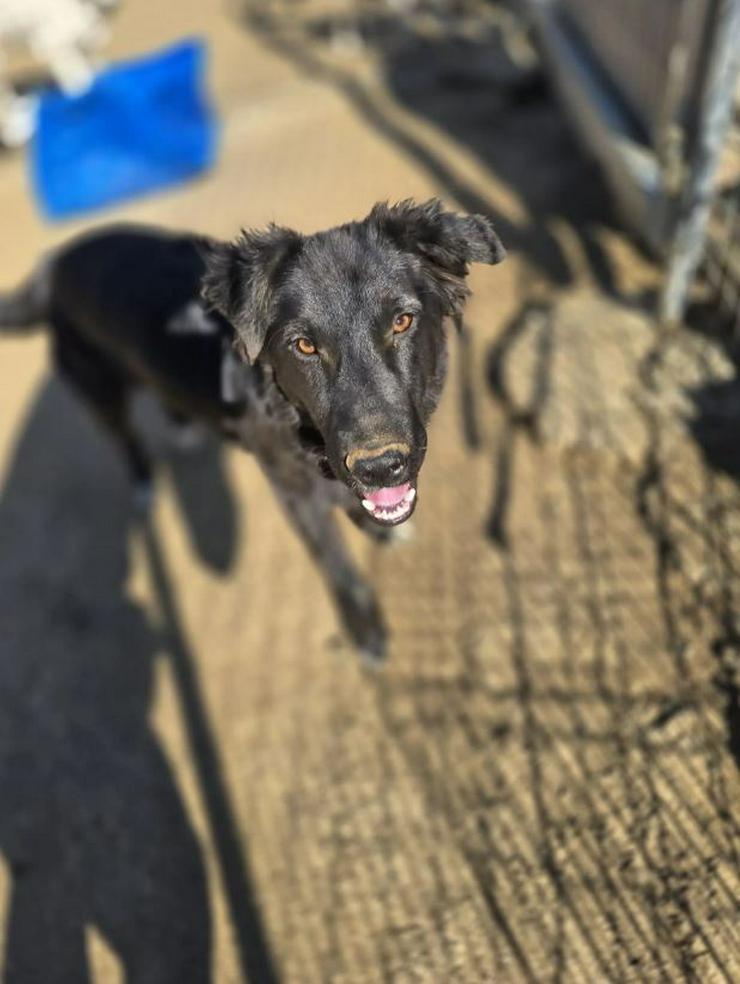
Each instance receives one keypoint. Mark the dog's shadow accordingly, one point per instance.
(93, 831)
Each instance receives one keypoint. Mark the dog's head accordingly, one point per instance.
(351, 322)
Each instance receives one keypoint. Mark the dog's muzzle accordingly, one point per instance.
(383, 475)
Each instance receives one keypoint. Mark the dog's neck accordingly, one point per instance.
(279, 406)
(273, 399)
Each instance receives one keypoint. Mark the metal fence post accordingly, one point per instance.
(716, 107)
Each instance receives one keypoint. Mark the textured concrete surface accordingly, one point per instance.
(197, 780)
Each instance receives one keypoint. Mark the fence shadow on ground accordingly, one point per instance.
(587, 790)
(714, 427)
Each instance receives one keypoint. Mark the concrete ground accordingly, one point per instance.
(197, 780)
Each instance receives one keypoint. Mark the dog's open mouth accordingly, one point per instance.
(391, 506)
(388, 506)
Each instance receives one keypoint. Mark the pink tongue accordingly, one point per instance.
(388, 497)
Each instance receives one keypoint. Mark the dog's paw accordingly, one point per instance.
(143, 496)
(372, 652)
(188, 438)
(374, 656)
(372, 645)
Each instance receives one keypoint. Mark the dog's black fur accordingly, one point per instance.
(213, 329)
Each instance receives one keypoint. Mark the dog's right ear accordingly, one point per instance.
(446, 242)
(240, 278)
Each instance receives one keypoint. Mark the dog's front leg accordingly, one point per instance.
(311, 515)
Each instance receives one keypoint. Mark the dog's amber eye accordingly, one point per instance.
(402, 323)
(305, 346)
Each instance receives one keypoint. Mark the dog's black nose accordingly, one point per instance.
(379, 467)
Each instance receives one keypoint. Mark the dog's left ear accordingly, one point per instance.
(446, 241)
(240, 279)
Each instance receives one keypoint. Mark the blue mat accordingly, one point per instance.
(143, 125)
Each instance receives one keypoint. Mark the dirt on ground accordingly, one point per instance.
(198, 780)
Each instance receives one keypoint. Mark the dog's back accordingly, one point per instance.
(131, 294)
(135, 294)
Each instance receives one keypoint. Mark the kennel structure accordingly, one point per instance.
(652, 90)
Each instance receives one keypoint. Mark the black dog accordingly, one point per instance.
(323, 355)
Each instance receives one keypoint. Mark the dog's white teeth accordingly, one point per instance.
(391, 513)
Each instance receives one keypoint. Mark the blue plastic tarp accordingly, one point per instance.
(142, 125)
